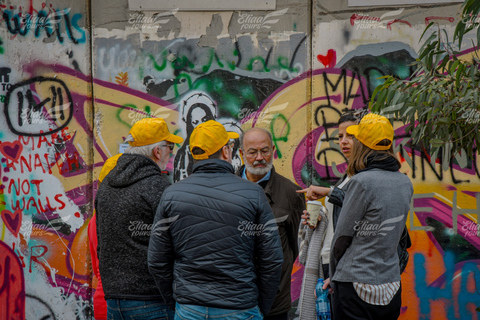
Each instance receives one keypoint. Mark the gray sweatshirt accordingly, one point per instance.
(374, 212)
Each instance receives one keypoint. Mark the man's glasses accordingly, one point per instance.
(170, 145)
(252, 153)
(231, 144)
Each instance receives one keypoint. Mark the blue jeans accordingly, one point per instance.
(192, 312)
(120, 309)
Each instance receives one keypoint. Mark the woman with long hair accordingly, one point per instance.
(315, 244)
(364, 264)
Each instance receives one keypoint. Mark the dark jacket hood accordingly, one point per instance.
(130, 169)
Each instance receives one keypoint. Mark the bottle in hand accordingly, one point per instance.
(322, 304)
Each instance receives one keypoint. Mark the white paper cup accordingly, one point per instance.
(314, 208)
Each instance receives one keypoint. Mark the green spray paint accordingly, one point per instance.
(283, 138)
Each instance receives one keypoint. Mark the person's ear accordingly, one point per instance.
(225, 152)
(157, 152)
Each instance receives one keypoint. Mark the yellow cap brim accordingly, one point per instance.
(233, 135)
(353, 129)
(173, 138)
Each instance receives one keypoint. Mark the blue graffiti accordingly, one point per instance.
(443, 290)
(46, 23)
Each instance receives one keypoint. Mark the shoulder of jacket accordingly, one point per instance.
(286, 183)
(359, 180)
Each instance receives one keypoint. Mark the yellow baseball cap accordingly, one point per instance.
(210, 136)
(372, 129)
(108, 166)
(151, 130)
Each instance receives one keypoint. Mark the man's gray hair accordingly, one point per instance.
(255, 128)
(143, 150)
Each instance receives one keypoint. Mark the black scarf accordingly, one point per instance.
(390, 163)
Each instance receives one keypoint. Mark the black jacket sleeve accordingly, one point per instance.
(161, 256)
(337, 197)
(297, 208)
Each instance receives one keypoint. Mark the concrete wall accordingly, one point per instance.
(72, 89)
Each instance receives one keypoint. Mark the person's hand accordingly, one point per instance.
(326, 284)
(306, 219)
(314, 192)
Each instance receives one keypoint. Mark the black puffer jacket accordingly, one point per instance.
(287, 207)
(215, 242)
(125, 208)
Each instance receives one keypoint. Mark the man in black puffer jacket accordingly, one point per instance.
(215, 247)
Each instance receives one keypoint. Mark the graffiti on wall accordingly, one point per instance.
(169, 69)
(303, 127)
(46, 149)
(46, 23)
(55, 139)
(443, 271)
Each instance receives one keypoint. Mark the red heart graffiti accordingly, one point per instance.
(13, 221)
(330, 60)
(11, 150)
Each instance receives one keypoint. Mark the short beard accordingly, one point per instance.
(258, 171)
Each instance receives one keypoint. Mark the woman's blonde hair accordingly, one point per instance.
(360, 154)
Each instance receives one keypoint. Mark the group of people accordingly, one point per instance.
(221, 244)
(366, 210)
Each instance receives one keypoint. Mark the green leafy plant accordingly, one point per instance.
(440, 102)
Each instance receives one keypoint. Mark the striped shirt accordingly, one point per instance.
(377, 294)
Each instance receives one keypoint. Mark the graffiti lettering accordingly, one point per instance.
(51, 101)
(437, 166)
(55, 138)
(26, 166)
(5, 77)
(23, 186)
(37, 252)
(16, 24)
(443, 289)
(345, 89)
(40, 206)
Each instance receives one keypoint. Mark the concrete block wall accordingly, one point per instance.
(76, 75)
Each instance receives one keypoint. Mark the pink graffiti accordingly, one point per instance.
(12, 285)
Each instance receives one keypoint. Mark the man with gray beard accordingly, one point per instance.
(257, 148)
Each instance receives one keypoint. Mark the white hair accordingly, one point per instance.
(142, 150)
